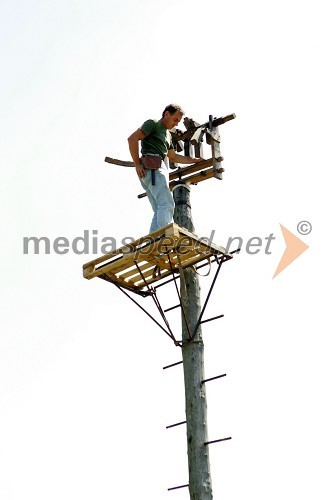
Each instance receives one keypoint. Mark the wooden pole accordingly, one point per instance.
(200, 486)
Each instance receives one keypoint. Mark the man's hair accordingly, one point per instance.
(173, 108)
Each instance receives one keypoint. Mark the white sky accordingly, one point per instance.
(83, 398)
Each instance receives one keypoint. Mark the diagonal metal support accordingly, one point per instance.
(223, 259)
(157, 303)
(179, 297)
(144, 310)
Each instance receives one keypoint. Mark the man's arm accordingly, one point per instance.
(176, 158)
(133, 142)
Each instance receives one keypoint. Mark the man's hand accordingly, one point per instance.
(141, 171)
(187, 160)
(133, 142)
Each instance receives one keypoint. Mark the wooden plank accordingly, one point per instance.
(171, 229)
(151, 262)
(183, 171)
(150, 253)
(139, 283)
(189, 258)
(216, 247)
(150, 280)
(195, 179)
(132, 273)
(122, 163)
(127, 260)
(165, 268)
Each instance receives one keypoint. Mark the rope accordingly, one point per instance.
(209, 270)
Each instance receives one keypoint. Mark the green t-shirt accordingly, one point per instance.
(158, 140)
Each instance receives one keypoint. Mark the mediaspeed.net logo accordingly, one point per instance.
(92, 244)
(294, 245)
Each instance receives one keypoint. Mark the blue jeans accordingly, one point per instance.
(160, 198)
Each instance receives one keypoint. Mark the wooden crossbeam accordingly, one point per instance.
(122, 163)
(175, 173)
(182, 172)
(201, 170)
(203, 175)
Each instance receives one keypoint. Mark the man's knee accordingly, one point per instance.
(167, 204)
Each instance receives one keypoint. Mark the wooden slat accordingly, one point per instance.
(138, 283)
(134, 271)
(194, 179)
(151, 255)
(170, 230)
(189, 258)
(195, 260)
(191, 169)
(145, 269)
(162, 262)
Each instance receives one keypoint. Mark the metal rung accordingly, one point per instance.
(213, 378)
(211, 319)
(177, 487)
(217, 440)
(174, 364)
(170, 308)
(175, 425)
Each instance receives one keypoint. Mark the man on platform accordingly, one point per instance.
(152, 167)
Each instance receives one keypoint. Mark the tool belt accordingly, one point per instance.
(151, 162)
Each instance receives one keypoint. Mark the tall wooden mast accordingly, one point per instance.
(200, 485)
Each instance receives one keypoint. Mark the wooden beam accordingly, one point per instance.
(119, 162)
(194, 179)
(181, 172)
(170, 230)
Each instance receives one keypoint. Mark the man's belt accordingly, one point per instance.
(151, 162)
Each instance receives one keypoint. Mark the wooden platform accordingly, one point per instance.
(147, 260)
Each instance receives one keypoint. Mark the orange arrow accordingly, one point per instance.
(294, 248)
